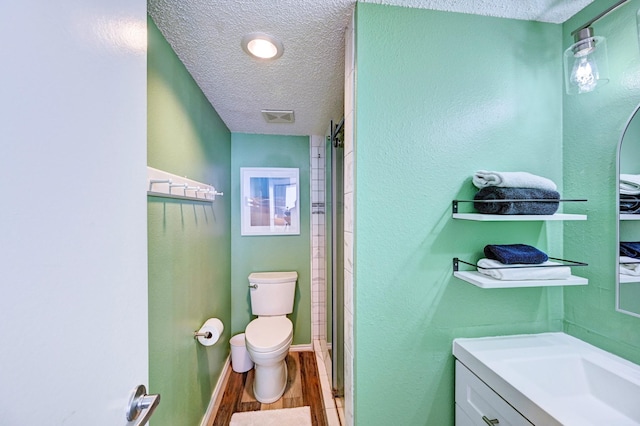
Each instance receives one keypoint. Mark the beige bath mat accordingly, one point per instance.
(300, 416)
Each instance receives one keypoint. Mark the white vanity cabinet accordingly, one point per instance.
(545, 379)
(478, 405)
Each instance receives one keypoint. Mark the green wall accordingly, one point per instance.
(271, 253)
(189, 242)
(593, 126)
(438, 96)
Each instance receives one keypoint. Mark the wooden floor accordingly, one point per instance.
(303, 388)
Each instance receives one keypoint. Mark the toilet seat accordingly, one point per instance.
(268, 334)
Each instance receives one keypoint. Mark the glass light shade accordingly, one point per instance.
(262, 46)
(586, 65)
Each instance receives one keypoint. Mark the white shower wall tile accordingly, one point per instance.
(318, 261)
(348, 212)
(348, 133)
(348, 173)
(317, 140)
(349, 52)
(348, 387)
(348, 291)
(348, 251)
(348, 330)
(348, 93)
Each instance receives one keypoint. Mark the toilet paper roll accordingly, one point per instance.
(213, 326)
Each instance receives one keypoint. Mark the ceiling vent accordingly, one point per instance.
(276, 116)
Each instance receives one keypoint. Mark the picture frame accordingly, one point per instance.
(270, 201)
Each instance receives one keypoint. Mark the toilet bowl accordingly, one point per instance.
(268, 340)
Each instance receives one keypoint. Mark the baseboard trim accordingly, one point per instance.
(216, 396)
(301, 348)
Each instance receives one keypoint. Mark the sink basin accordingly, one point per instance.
(556, 379)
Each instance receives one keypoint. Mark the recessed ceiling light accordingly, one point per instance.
(262, 46)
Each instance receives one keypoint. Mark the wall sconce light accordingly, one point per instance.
(586, 65)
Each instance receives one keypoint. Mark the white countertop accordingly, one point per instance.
(556, 379)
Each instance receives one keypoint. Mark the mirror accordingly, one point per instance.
(628, 283)
(270, 201)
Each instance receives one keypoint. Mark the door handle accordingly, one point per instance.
(141, 403)
(490, 422)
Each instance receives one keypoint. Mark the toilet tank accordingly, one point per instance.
(272, 292)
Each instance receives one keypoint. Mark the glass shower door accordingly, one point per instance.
(334, 223)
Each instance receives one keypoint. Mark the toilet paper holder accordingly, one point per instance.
(205, 334)
(210, 332)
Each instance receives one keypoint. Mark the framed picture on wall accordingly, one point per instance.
(270, 200)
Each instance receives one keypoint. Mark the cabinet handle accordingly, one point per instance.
(490, 422)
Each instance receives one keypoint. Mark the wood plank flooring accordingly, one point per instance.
(303, 388)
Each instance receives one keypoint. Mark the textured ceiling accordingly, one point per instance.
(308, 78)
(554, 11)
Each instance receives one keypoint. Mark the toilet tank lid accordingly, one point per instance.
(272, 277)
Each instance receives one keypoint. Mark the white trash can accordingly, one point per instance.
(240, 360)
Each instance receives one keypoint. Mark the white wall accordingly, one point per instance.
(73, 301)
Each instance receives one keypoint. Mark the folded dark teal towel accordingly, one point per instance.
(629, 204)
(515, 253)
(516, 207)
(631, 249)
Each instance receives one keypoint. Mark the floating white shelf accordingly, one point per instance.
(518, 217)
(629, 216)
(167, 185)
(484, 281)
(627, 279)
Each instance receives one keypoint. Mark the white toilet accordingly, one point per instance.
(269, 336)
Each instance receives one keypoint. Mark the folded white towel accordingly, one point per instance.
(517, 271)
(629, 266)
(629, 184)
(483, 178)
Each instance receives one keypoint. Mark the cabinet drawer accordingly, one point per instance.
(462, 419)
(478, 400)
